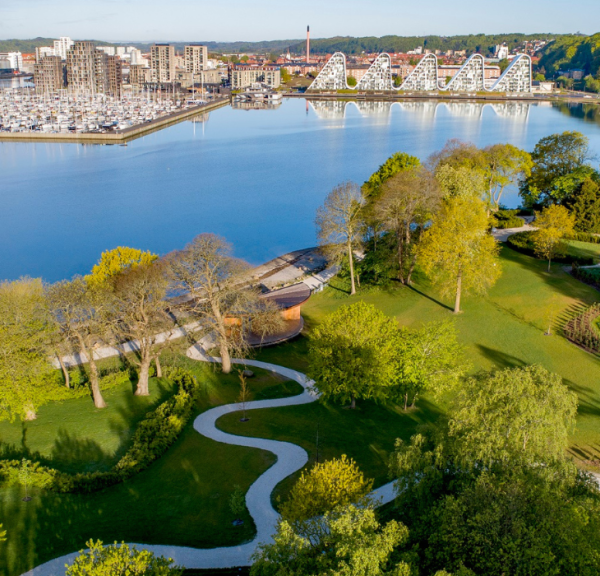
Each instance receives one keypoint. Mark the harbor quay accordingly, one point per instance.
(99, 119)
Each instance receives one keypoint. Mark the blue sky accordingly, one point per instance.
(203, 20)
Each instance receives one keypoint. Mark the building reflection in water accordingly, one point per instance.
(338, 109)
(255, 105)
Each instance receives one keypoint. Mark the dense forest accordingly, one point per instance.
(483, 43)
(572, 52)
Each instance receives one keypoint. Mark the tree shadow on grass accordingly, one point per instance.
(412, 287)
(501, 359)
(73, 455)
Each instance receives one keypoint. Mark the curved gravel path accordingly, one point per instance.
(290, 458)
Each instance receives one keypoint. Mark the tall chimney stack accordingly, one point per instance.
(308, 44)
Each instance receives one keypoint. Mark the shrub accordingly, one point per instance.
(506, 219)
(157, 432)
(584, 237)
(523, 242)
(590, 276)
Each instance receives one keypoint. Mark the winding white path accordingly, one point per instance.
(290, 458)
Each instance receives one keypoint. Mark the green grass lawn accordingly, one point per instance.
(74, 436)
(587, 249)
(181, 499)
(504, 329)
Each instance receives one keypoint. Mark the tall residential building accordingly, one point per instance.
(196, 58)
(91, 71)
(162, 62)
(139, 75)
(243, 75)
(136, 56)
(49, 75)
(61, 46)
(115, 75)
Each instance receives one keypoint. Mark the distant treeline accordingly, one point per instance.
(483, 43)
(563, 52)
(572, 52)
(29, 46)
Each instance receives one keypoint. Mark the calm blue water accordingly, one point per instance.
(255, 177)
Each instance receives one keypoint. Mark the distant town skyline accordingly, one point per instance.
(238, 20)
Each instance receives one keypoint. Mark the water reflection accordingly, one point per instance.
(336, 109)
(255, 105)
(586, 112)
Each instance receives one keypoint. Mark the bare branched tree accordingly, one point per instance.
(340, 223)
(219, 294)
(79, 315)
(139, 313)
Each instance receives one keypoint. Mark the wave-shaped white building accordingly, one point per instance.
(425, 77)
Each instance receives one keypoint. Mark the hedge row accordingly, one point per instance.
(584, 237)
(523, 242)
(154, 435)
(591, 277)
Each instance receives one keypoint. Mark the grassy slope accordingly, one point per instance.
(181, 499)
(504, 329)
(76, 437)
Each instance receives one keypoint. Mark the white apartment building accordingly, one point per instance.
(502, 52)
(110, 50)
(162, 62)
(61, 47)
(195, 58)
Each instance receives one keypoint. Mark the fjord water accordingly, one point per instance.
(255, 177)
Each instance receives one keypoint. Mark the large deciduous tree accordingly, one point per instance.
(514, 415)
(354, 543)
(553, 223)
(120, 560)
(505, 165)
(340, 223)
(429, 359)
(458, 252)
(353, 354)
(404, 207)
(219, 295)
(138, 312)
(559, 163)
(79, 311)
(112, 262)
(584, 204)
(493, 491)
(25, 331)
(395, 164)
(326, 487)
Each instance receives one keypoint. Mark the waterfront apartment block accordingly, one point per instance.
(195, 58)
(162, 63)
(91, 71)
(49, 75)
(139, 75)
(243, 75)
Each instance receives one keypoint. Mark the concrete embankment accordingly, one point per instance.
(443, 97)
(118, 136)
